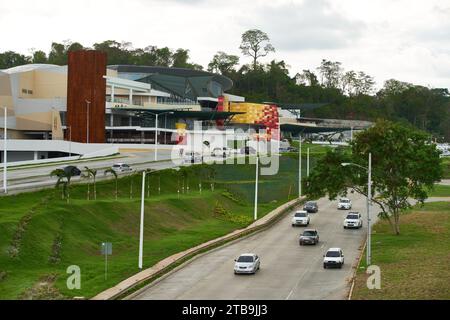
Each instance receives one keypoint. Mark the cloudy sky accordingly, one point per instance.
(408, 40)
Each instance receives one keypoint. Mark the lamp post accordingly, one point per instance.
(156, 130)
(141, 229)
(256, 181)
(369, 199)
(5, 153)
(300, 165)
(88, 103)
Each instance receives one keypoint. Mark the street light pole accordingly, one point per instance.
(87, 120)
(5, 153)
(141, 233)
(156, 137)
(369, 199)
(256, 183)
(307, 163)
(300, 165)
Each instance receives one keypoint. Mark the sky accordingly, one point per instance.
(407, 40)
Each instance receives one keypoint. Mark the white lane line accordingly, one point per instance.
(296, 285)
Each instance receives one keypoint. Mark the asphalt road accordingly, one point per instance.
(288, 271)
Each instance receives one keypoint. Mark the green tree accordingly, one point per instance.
(114, 173)
(10, 59)
(404, 166)
(91, 173)
(255, 44)
(223, 63)
(39, 57)
(63, 178)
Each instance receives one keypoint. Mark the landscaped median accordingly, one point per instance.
(147, 276)
(414, 264)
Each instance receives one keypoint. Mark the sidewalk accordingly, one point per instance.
(115, 291)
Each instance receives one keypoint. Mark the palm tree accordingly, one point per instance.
(92, 173)
(64, 177)
(114, 173)
(148, 172)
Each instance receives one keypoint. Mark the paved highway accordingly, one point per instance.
(288, 271)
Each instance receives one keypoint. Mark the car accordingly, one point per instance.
(311, 206)
(344, 204)
(221, 152)
(247, 263)
(292, 149)
(73, 170)
(333, 258)
(121, 167)
(300, 218)
(309, 236)
(353, 220)
(248, 150)
(192, 157)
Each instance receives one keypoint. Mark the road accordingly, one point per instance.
(288, 271)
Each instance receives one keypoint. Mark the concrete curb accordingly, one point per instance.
(350, 294)
(164, 266)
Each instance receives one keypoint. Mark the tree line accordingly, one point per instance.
(349, 94)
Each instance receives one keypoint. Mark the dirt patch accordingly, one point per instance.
(44, 289)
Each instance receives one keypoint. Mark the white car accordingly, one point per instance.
(121, 167)
(192, 157)
(300, 218)
(344, 204)
(353, 220)
(221, 152)
(247, 263)
(333, 258)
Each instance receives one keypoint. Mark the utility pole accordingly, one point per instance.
(300, 165)
(256, 181)
(156, 137)
(307, 162)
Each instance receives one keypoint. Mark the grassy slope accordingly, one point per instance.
(414, 265)
(446, 167)
(172, 224)
(440, 191)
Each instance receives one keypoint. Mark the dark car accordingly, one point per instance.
(248, 150)
(311, 206)
(74, 170)
(309, 236)
(292, 149)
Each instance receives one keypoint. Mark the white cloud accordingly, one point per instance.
(403, 39)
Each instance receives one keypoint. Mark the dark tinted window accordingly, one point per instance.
(309, 233)
(333, 254)
(353, 217)
(300, 214)
(245, 259)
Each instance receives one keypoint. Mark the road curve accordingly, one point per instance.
(288, 271)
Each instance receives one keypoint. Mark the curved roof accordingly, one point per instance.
(35, 66)
(177, 72)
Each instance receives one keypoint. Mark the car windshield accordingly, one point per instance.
(345, 200)
(310, 203)
(333, 254)
(245, 259)
(353, 217)
(300, 214)
(309, 233)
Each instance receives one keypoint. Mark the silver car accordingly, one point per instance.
(247, 263)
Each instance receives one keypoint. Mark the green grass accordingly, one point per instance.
(36, 224)
(415, 264)
(440, 190)
(446, 168)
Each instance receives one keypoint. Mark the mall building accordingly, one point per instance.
(88, 102)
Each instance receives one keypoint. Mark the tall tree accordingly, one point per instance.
(256, 44)
(410, 169)
(39, 56)
(331, 73)
(223, 63)
(11, 59)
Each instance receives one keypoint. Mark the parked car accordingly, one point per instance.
(353, 220)
(309, 236)
(344, 204)
(292, 149)
(300, 218)
(221, 152)
(192, 157)
(333, 258)
(248, 150)
(247, 263)
(121, 167)
(74, 170)
(311, 206)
